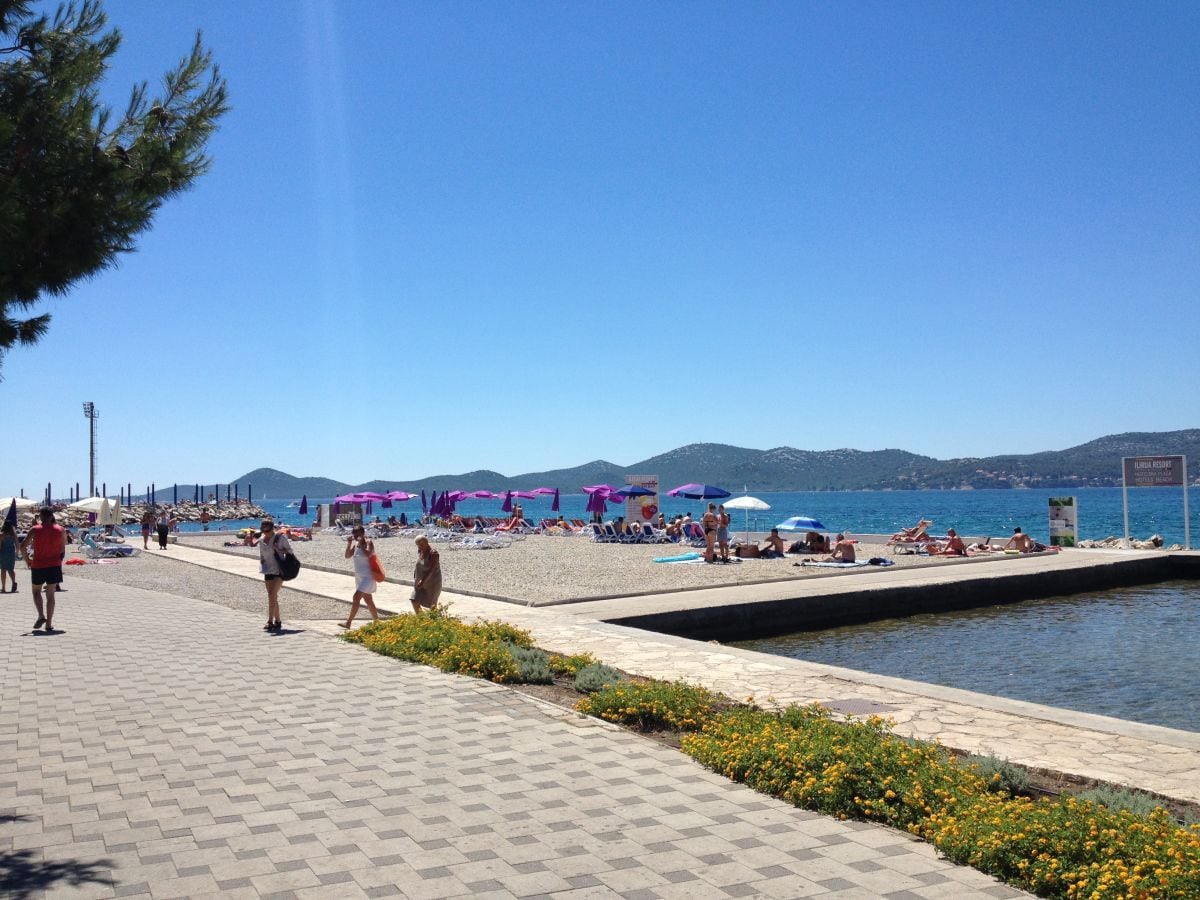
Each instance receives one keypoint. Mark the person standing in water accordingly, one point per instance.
(359, 548)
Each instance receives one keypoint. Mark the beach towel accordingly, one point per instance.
(682, 557)
(833, 565)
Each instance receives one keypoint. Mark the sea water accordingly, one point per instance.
(1127, 652)
(978, 513)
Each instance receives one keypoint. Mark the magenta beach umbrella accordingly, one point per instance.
(424, 502)
(304, 505)
(544, 490)
(484, 495)
(507, 506)
(401, 496)
(596, 502)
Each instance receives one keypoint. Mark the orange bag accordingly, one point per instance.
(376, 568)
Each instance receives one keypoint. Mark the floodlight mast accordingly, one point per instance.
(89, 412)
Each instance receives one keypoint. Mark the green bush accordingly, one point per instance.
(533, 665)
(1000, 774)
(475, 655)
(651, 705)
(413, 638)
(846, 769)
(1115, 798)
(570, 665)
(503, 634)
(595, 677)
(1068, 848)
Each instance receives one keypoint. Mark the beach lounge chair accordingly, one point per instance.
(652, 536)
(96, 550)
(919, 533)
(598, 534)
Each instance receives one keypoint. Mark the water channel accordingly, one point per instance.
(1129, 652)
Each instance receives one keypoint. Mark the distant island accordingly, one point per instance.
(1094, 464)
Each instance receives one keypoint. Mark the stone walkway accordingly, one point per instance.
(1161, 760)
(158, 746)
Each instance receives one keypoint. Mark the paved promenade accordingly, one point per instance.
(1160, 760)
(158, 746)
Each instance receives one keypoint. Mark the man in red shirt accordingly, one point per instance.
(49, 542)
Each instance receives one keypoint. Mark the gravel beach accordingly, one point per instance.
(543, 569)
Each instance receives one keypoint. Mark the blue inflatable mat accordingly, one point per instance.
(682, 557)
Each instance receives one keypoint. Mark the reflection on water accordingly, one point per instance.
(1129, 653)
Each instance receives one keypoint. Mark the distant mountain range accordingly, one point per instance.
(1094, 464)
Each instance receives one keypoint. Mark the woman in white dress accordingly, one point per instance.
(359, 548)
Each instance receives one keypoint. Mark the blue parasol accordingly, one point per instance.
(801, 523)
(10, 517)
(424, 502)
(698, 492)
(554, 505)
(304, 505)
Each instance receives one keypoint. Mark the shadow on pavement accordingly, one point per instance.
(22, 875)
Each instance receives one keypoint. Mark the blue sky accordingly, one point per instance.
(440, 237)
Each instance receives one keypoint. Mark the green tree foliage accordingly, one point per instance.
(77, 185)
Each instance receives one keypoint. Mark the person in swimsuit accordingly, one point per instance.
(709, 524)
(147, 525)
(843, 550)
(359, 548)
(723, 532)
(774, 548)
(427, 577)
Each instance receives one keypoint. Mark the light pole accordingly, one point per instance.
(89, 412)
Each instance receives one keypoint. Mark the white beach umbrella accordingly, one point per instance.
(90, 505)
(22, 503)
(747, 503)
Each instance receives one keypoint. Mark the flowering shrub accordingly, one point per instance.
(436, 638)
(652, 705)
(1072, 848)
(846, 769)
(475, 654)
(570, 665)
(1068, 848)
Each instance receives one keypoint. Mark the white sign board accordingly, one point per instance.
(642, 509)
(1064, 525)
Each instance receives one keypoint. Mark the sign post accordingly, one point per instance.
(1064, 526)
(1155, 471)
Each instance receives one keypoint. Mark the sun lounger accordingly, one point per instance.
(106, 551)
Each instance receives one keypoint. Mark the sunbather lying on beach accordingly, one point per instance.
(919, 532)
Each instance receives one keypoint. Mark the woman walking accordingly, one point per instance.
(427, 577)
(359, 548)
(163, 526)
(8, 557)
(268, 545)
